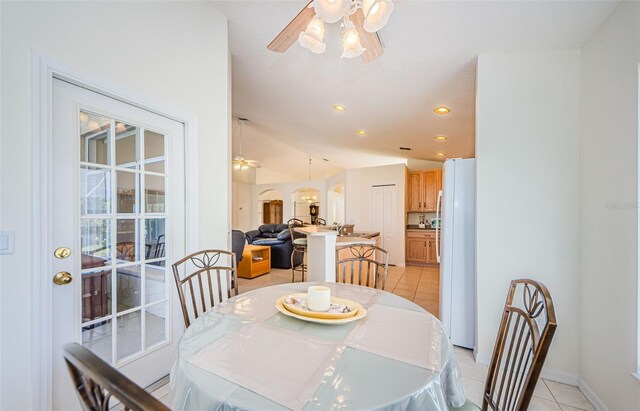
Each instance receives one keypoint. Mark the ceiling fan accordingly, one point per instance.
(361, 21)
(239, 162)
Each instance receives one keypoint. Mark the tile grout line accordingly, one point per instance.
(550, 392)
(558, 402)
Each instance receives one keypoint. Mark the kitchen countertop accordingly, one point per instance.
(358, 237)
(415, 227)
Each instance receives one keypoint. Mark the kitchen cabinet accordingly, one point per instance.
(421, 247)
(423, 190)
(416, 249)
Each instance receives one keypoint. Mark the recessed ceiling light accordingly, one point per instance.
(440, 154)
(440, 138)
(442, 110)
(339, 108)
(361, 133)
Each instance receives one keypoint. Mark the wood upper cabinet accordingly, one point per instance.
(415, 191)
(424, 187)
(432, 186)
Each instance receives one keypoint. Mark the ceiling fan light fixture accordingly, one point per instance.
(376, 14)
(311, 38)
(351, 44)
(331, 11)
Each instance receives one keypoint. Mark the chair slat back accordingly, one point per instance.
(292, 223)
(362, 264)
(204, 279)
(526, 331)
(96, 382)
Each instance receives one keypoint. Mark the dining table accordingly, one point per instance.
(245, 354)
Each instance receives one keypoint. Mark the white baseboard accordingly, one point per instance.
(547, 374)
(591, 396)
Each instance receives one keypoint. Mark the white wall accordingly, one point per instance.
(242, 206)
(336, 200)
(247, 176)
(242, 198)
(527, 191)
(609, 210)
(414, 164)
(358, 199)
(175, 53)
(268, 176)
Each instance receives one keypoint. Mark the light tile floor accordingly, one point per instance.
(421, 285)
(548, 396)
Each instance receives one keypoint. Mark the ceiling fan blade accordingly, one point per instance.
(290, 34)
(370, 41)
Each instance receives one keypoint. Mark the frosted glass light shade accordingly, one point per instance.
(351, 44)
(376, 14)
(331, 11)
(311, 38)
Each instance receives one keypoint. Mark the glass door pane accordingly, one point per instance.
(123, 237)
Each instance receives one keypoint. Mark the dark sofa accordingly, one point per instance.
(276, 236)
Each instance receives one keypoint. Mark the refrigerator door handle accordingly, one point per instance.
(438, 205)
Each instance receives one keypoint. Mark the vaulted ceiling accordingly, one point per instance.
(429, 60)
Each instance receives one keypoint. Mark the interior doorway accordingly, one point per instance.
(303, 200)
(270, 207)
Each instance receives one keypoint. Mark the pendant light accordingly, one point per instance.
(376, 14)
(309, 194)
(331, 11)
(239, 162)
(351, 41)
(311, 38)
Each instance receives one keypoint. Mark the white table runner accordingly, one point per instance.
(282, 366)
(404, 335)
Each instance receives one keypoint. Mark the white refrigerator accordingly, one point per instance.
(456, 251)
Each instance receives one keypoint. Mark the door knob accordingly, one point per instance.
(62, 278)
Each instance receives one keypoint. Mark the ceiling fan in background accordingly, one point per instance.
(361, 21)
(239, 162)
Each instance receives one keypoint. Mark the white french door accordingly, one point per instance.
(117, 223)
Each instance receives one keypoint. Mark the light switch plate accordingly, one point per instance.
(6, 241)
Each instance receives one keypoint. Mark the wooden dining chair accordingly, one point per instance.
(362, 264)
(96, 382)
(200, 278)
(525, 334)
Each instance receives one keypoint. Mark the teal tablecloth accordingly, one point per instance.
(359, 380)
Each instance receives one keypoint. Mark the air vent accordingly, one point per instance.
(405, 148)
(325, 159)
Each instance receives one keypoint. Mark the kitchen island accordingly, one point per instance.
(321, 249)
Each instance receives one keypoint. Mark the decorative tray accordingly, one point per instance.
(341, 310)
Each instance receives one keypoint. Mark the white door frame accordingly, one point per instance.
(44, 69)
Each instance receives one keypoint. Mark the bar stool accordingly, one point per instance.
(299, 242)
